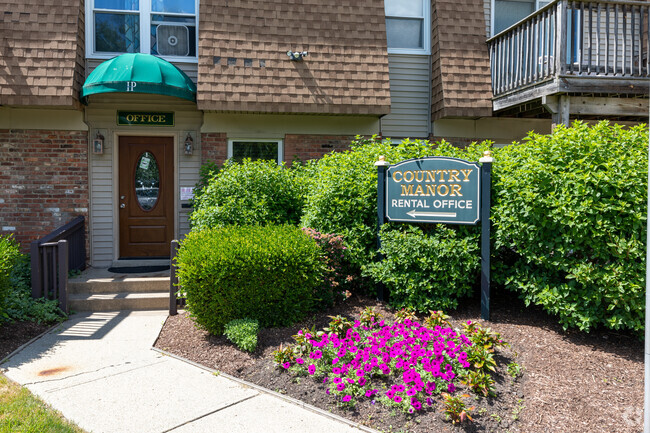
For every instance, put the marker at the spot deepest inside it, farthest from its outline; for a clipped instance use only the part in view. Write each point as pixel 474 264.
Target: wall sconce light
pixel 98 144
pixel 189 144
pixel 296 55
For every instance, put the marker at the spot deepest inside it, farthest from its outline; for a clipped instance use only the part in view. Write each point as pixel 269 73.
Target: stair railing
pixel 53 256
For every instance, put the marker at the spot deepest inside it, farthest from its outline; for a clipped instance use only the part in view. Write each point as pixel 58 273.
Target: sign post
pixel 486 182
pixel 439 190
pixel 381 165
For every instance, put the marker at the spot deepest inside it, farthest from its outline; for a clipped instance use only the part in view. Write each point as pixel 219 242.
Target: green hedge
pixel 569 215
pixel 268 273
pixel 250 192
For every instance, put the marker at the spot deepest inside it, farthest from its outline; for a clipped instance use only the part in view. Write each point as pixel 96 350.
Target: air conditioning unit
pixel 172 40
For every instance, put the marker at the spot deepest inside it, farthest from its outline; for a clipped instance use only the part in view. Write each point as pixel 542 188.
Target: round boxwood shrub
pixel 267 273
pixel 569 215
pixel 250 192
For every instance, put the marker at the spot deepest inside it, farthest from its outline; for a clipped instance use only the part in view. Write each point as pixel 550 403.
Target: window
pixel 508 12
pixel 407 26
pixel 255 149
pixel 166 28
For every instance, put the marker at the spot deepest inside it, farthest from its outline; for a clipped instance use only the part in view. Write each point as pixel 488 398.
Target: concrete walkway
pixel 99 370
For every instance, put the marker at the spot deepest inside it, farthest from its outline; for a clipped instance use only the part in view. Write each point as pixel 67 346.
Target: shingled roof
pixel 243 65
pixel 461 85
pixel 41 52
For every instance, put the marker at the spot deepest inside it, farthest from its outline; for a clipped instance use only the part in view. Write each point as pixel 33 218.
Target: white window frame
pixel 426 29
pixel 279 142
pixel 144 13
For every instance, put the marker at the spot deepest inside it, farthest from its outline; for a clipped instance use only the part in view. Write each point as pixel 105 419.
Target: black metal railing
pixel 609 38
pixel 53 256
pixel 174 300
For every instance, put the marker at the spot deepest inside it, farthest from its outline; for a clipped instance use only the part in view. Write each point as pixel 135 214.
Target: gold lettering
pixel 431 190
pixel 431 175
pixel 395 176
pixel 440 189
pixel 406 173
pixel 442 172
pixel 419 178
pixel 466 172
pixel 129 118
pixel 455 191
pixel 407 190
pixel 453 176
pixel 419 190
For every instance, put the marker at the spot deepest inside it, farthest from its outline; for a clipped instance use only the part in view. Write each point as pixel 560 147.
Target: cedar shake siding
pixel 42 53
pixel 243 65
pixel 461 83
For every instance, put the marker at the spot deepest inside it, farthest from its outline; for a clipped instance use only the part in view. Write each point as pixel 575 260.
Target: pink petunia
pixel 311 369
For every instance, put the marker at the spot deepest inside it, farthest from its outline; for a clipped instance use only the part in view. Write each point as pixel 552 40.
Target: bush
pixel 339 273
pixel 9 255
pixel 343 197
pixel 268 273
pixel 18 303
pixel 569 216
pixel 427 271
pixel 251 192
pixel 243 333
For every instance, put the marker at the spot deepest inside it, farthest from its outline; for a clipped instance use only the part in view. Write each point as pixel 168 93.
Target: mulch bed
pixel 572 382
pixel 13 335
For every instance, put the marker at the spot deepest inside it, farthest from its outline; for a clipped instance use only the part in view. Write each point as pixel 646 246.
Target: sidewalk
pixel 99 370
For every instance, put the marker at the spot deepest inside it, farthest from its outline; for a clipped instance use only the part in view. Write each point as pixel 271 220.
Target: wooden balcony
pixel 574 58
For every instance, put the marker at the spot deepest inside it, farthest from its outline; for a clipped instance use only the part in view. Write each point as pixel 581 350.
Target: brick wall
pixel 43 181
pixel 214 147
pixel 305 147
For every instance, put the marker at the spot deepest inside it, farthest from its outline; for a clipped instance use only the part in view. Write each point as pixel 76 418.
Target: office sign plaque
pixel 142 118
pixel 433 190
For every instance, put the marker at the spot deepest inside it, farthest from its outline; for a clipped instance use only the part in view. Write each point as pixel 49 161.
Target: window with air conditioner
pixel 407 26
pixel 167 28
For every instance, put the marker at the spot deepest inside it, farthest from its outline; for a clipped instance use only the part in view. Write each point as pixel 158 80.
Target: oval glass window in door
pixel 147 181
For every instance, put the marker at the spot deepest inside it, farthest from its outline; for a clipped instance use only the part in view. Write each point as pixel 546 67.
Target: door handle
pixel 122 206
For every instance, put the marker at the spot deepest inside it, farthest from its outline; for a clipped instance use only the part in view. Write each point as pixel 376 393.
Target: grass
pixel 22 412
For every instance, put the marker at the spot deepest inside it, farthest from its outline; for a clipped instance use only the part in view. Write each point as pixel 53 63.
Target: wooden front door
pixel 146 198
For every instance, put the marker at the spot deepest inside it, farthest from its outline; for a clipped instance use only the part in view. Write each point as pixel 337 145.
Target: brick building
pixel 108 108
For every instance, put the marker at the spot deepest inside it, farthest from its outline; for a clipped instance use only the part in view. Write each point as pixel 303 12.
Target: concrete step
pixel 118 301
pixel 96 289
pixel 116 285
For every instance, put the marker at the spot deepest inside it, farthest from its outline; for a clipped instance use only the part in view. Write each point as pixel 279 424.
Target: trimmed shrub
pixel 250 192
pixel 243 333
pixel 427 271
pixel 268 273
pixel 9 255
pixel 569 215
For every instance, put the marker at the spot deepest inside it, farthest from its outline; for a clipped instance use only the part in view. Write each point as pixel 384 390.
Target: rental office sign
pixel 439 190
pixel 433 190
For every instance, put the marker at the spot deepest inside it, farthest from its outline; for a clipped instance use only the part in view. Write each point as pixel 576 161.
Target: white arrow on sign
pixel 415 214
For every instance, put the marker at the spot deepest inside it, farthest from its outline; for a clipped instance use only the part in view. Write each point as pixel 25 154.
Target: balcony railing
pixel 573 39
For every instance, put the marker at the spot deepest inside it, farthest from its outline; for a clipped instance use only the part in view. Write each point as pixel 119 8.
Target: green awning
pixel 139 73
